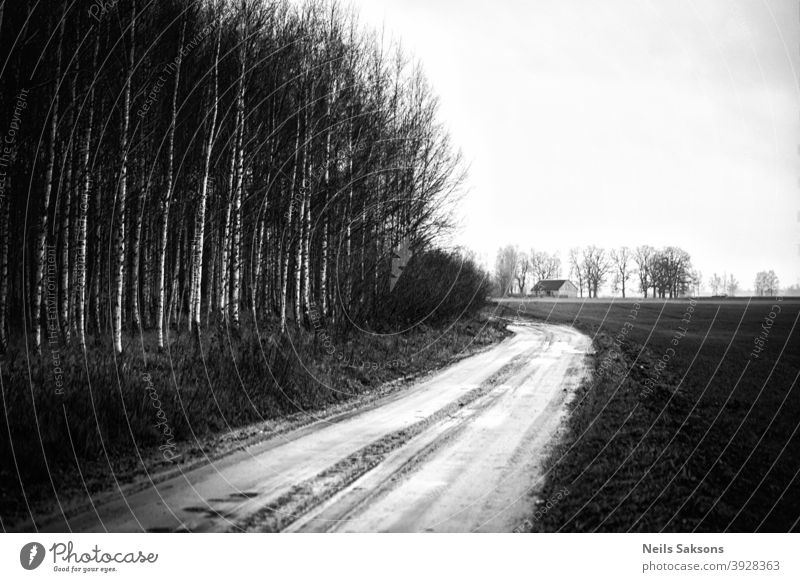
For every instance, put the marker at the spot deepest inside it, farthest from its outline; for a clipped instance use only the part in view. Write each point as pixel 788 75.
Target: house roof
pixel 550 284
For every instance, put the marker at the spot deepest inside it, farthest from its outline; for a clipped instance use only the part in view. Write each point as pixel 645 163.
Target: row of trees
pixel 662 273
pixel 183 160
pixel 654 272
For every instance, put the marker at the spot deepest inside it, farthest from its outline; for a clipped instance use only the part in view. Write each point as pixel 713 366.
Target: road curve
pixel 459 451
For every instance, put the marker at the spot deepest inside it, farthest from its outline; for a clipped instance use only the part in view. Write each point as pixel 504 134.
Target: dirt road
pixel 460 451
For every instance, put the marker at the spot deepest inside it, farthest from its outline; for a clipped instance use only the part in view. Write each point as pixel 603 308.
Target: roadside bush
pixel 438 285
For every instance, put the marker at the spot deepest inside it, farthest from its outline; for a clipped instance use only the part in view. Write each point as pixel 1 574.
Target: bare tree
pixel 716 283
pixel 200 220
pixel 544 265
pixel 5 209
pixel 697 281
pixel 622 260
pixel 119 282
pixel 506 268
pixel 576 268
pixel 83 210
pixel 166 200
pixel 236 242
pixel 643 256
pixel 766 283
pixel 596 266
pixel 732 285
pixel 287 238
pixel 553 266
pixel 41 240
pixel 65 196
pixel 521 274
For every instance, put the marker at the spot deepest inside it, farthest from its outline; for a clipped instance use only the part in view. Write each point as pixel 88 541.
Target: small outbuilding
pixel 555 288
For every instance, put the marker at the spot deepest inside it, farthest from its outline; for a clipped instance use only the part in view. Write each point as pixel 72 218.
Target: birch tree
pixel 123 192
pixel 621 261
pixel 200 221
pixel 333 154
pixel 41 239
pixel 166 200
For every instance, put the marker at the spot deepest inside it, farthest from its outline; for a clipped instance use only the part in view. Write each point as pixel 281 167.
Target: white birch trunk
pixel 123 192
pixel 197 255
pixel 167 201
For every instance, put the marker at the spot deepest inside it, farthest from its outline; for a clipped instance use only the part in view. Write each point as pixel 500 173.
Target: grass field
pixel 690 422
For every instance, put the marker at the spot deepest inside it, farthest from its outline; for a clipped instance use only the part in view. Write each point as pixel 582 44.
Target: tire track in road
pixel 475 474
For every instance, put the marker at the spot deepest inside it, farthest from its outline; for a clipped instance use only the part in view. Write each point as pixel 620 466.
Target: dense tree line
pixel 171 163
pixel 663 273
pixel 666 272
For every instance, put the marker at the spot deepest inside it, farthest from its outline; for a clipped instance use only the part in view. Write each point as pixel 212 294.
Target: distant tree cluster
pixel 184 160
pixel 723 284
pixel 514 268
pixel 506 268
pixel 664 273
pixel 766 283
pixel 590 266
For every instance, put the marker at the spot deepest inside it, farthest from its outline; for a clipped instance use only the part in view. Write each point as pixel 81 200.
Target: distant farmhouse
pixel 555 288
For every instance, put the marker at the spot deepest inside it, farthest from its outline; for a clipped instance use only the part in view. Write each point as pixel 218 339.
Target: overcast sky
pixel 620 122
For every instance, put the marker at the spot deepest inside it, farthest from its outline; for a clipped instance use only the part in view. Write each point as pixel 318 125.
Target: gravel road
pixel 459 451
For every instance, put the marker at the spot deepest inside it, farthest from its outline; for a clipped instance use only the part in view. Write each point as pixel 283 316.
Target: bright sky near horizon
pixel 619 122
